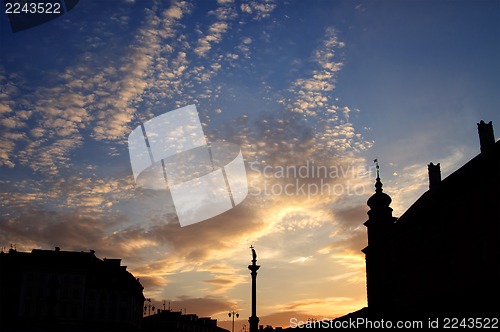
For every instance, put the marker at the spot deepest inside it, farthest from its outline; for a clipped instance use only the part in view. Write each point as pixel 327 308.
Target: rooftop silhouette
pixel 442 256
pixel 67 290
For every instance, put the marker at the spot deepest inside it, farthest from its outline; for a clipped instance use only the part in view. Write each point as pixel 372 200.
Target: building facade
pixel 55 289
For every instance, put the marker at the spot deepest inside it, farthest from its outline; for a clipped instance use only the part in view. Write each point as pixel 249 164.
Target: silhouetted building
pixel 175 321
pixel 63 290
pixel 442 256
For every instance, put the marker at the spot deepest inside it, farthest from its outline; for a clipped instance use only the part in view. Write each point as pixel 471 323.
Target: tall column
pixel 254 320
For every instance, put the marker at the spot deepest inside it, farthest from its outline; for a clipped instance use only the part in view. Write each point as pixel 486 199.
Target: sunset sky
pixel 303 86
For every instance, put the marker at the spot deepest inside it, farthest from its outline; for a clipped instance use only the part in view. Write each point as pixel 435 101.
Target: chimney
pixel 486 136
pixel 434 176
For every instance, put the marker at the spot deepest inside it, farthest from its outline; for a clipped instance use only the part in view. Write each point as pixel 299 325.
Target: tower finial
pixel 378 183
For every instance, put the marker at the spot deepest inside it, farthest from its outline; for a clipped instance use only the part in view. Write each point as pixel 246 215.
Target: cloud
pixel 211 238
pixel 34 228
pixel 287 139
pixel 96 102
pixel 85 195
pixel 246 8
pixel 117 110
pixel 221 285
pixel 10 121
pixel 152 283
pixel 213 36
pixel 300 260
pixel 92 97
pixel 312 94
pixel 412 179
pixel 205 306
pixel 259 9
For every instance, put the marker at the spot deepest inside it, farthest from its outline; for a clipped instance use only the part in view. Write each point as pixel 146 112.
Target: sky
pixel 311 91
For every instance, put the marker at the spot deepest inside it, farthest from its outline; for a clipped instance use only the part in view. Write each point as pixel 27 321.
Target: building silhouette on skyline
pixel 175 321
pixel 65 290
pixel 442 256
pixel 56 290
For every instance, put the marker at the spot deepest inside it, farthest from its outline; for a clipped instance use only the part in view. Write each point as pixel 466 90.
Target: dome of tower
pixel 379 199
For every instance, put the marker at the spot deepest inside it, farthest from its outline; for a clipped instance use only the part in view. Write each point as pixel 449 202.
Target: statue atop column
pixel 254 320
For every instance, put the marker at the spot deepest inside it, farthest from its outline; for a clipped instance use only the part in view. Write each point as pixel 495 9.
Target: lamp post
pixel 233 314
pixel 148 308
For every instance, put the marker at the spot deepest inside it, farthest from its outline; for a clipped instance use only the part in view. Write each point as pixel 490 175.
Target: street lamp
pixel 148 308
pixel 233 314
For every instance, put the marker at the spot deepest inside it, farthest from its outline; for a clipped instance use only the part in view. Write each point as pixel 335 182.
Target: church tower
pixel 380 226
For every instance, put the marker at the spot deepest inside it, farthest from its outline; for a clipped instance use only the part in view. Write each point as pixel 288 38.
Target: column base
pixel 254 323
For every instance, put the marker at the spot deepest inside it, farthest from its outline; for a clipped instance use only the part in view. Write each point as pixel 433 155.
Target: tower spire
pixel 378 183
pixel 380 228
pixel 379 200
